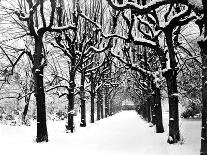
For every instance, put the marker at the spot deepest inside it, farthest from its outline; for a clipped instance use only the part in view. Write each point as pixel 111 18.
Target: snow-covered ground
pixel 122 134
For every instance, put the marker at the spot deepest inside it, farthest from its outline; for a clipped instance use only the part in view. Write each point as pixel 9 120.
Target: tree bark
pixel 70 125
pixel 98 104
pixel 152 108
pixel 171 79
pixel 202 44
pixel 203 150
pixel 149 109
pixel 110 107
pixel 83 107
pixel 158 112
pixel 92 106
pixel 101 103
pixel 24 114
pixel 174 132
pixel 38 68
pixel 71 96
pixel 106 102
pixel 92 93
pixel 143 108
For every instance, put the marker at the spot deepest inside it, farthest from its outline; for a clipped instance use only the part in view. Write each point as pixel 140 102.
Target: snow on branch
pixel 99 50
pixel 145 42
pixel 29 17
pixel 187 20
pixel 25 17
pixel 176 19
pixel 168 13
pixel 85 60
pixel 63 28
pixel 97 67
pixel 91 21
pixel 114 36
pixel 152 5
pixel 132 66
pixel 62 48
pixel 133 39
pixel 99 86
pixel 112 84
pixel 146 35
pixel 141 9
pixel 126 19
pixel 22 16
pixel 55 87
pixel 61 78
pixel 88 65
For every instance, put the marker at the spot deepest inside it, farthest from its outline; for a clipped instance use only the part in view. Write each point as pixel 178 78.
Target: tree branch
pixel 53 6
pixel 42 13
pixel 152 5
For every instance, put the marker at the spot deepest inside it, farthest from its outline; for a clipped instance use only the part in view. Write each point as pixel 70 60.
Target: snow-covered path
pixel 122 134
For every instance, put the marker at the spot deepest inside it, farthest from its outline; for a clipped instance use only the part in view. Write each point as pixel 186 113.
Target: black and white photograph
pixel 103 77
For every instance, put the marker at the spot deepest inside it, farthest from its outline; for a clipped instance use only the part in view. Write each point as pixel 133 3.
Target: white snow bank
pixel 122 134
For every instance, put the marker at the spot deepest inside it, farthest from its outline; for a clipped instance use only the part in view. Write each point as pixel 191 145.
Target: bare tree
pixel 203 29
pixel 33 14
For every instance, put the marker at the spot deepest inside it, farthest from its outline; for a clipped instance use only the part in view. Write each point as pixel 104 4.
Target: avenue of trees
pixel 57 55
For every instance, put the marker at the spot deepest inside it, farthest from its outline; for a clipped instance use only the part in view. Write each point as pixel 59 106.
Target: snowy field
pixel 122 134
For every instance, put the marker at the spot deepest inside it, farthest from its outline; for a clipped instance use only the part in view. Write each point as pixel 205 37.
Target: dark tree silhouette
pixel 39 60
pixel 203 29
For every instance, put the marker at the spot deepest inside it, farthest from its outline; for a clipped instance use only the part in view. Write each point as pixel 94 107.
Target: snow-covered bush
pixel 192 110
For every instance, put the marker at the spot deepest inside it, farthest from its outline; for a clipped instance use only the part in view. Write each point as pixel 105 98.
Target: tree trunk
pixel 203 150
pixel 110 108
pixel 92 106
pixel 106 102
pixel 101 104
pixel 202 44
pixel 143 109
pixel 83 107
pixel 152 108
pixel 158 112
pixel 71 96
pixel 149 109
pixel 70 125
pixel 171 79
pixel 42 135
pixel 92 93
pixel 174 133
pixel 24 114
pixel 98 104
